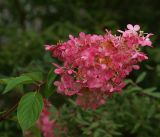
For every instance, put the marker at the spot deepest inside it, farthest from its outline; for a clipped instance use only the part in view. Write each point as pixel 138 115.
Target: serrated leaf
pixel 14 82
pixel 29 109
pixel 141 77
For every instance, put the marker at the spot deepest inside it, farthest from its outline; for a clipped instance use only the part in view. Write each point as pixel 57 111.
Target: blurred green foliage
pixel 130 114
pixel 27 25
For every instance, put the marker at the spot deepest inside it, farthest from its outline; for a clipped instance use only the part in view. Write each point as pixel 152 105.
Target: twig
pixel 5 115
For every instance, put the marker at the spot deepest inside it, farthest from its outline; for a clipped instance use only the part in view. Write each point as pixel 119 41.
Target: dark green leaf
pixel 128 81
pixel 49 86
pixel 141 77
pixel 51 77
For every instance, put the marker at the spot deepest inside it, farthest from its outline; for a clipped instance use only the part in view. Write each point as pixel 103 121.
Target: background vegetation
pixel 27 25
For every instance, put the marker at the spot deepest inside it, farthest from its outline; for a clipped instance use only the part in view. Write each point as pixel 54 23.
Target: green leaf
pixel 51 77
pixel 14 82
pixel 141 77
pixel 35 76
pixel 29 109
pixel 128 81
pixel 133 89
pixel 136 127
pixel 94 125
pixel 151 111
pixel 23 79
pixel 151 92
pixel 36 131
pixel 152 89
pixel 49 86
pixel 5 80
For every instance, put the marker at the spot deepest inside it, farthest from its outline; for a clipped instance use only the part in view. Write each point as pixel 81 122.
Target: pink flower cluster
pixel 44 123
pixel 95 66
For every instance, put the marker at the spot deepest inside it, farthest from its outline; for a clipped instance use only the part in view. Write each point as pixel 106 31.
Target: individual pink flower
pixel 145 40
pixel 95 66
pixel 133 28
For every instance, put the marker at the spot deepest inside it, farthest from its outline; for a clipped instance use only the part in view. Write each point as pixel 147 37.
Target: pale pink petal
pixel 136 67
pixel 149 35
pixel 120 31
pixel 70 71
pixel 130 27
pixel 136 27
pixel 59 71
pixel 48 47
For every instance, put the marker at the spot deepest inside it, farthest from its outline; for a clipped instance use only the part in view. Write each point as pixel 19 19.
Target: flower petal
pixel 136 27
pixel 130 27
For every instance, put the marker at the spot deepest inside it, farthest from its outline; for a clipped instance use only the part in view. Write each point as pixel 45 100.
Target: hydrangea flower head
pixel 95 66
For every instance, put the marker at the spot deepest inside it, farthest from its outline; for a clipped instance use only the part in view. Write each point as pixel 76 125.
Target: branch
pixel 5 115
